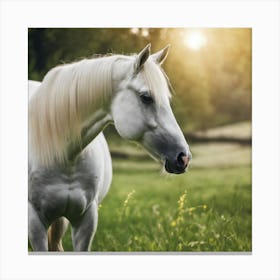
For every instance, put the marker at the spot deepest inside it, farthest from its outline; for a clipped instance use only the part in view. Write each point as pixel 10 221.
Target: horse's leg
pixel 56 233
pixel 83 231
pixel 37 231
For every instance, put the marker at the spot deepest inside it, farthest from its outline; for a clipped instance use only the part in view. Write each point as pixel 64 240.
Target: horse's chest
pixel 56 194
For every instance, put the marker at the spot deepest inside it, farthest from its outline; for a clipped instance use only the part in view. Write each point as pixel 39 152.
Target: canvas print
pixel 139 140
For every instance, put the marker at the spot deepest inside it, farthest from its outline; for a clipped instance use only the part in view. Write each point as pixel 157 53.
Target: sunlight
pixel 194 40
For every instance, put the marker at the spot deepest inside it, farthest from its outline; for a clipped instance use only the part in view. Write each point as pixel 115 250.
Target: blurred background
pixel 210 69
pixel 209 207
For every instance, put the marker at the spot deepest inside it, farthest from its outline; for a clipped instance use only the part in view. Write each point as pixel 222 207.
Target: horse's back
pixel 32 87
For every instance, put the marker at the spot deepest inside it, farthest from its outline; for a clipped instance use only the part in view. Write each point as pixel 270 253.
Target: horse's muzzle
pixel 179 164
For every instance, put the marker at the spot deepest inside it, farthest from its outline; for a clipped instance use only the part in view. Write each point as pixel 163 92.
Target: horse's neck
pixel 90 130
pixel 71 110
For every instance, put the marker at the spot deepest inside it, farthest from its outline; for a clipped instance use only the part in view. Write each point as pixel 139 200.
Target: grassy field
pixel 206 209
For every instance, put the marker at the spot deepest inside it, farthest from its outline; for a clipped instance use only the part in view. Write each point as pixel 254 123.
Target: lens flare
pixel 195 40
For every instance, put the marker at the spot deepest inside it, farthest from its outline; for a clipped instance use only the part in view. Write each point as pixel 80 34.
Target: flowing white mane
pixel 68 95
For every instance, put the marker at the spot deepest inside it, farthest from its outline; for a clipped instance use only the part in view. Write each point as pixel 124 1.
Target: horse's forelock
pixel 157 81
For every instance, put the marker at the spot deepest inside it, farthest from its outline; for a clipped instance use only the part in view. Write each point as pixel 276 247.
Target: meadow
pixel 207 209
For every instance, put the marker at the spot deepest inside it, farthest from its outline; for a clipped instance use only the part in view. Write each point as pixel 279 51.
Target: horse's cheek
pixel 127 117
pixel 129 127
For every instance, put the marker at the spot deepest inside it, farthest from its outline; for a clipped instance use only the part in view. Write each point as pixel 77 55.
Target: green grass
pixel 206 209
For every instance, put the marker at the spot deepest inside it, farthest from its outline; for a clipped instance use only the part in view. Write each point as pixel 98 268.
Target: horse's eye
pixel 146 98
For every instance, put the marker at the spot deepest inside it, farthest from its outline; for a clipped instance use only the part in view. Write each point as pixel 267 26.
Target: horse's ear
pixel 142 58
pixel 160 56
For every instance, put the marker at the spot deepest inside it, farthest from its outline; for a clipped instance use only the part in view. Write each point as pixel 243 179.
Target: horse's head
pixel 141 109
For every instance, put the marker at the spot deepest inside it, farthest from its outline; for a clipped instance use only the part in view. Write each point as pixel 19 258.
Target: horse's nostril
pixel 179 164
pixel 183 160
pixel 180 158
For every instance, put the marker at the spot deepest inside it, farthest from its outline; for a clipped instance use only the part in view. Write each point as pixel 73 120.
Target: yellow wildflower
pixel 173 223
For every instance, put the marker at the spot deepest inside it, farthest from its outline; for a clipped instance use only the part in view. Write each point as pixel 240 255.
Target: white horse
pixel 70 168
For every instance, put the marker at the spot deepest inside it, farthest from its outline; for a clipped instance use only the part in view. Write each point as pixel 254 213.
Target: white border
pixel 262 16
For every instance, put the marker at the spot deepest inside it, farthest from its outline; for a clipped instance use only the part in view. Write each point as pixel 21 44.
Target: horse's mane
pixel 67 96
pixel 157 81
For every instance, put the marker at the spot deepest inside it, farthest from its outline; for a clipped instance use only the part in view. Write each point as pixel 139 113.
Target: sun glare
pixel 195 40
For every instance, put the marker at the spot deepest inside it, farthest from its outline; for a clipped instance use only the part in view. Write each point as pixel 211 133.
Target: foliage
pixel 212 84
